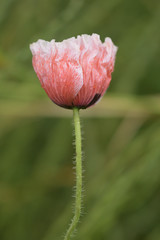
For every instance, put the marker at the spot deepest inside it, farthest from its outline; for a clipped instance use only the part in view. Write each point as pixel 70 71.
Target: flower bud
pixel 75 72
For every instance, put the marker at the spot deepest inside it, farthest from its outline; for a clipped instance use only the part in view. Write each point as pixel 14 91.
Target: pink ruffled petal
pixel 97 62
pixel 58 69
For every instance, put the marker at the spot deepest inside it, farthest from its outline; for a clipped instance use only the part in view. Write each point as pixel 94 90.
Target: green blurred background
pixel 121 134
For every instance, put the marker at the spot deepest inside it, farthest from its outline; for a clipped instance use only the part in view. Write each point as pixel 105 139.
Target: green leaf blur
pixel 121 134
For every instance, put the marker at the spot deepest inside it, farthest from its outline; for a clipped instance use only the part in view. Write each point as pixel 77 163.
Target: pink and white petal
pixel 42 47
pixel 67 81
pixel 89 46
pixel 67 50
pixel 61 80
pixel 43 68
pixel 111 50
pixel 58 69
pixel 96 73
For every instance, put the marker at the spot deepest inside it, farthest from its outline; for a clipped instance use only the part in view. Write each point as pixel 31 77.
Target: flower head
pixel 76 71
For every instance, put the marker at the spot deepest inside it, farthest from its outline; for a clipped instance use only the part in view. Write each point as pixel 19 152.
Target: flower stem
pixel 77 210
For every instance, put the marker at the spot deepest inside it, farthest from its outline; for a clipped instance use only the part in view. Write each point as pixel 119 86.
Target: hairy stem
pixel 77 210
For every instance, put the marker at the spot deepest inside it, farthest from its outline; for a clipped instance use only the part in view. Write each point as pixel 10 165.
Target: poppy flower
pixel 75 72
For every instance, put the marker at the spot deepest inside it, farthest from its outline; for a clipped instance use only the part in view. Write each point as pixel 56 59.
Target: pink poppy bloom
pixel 75 72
